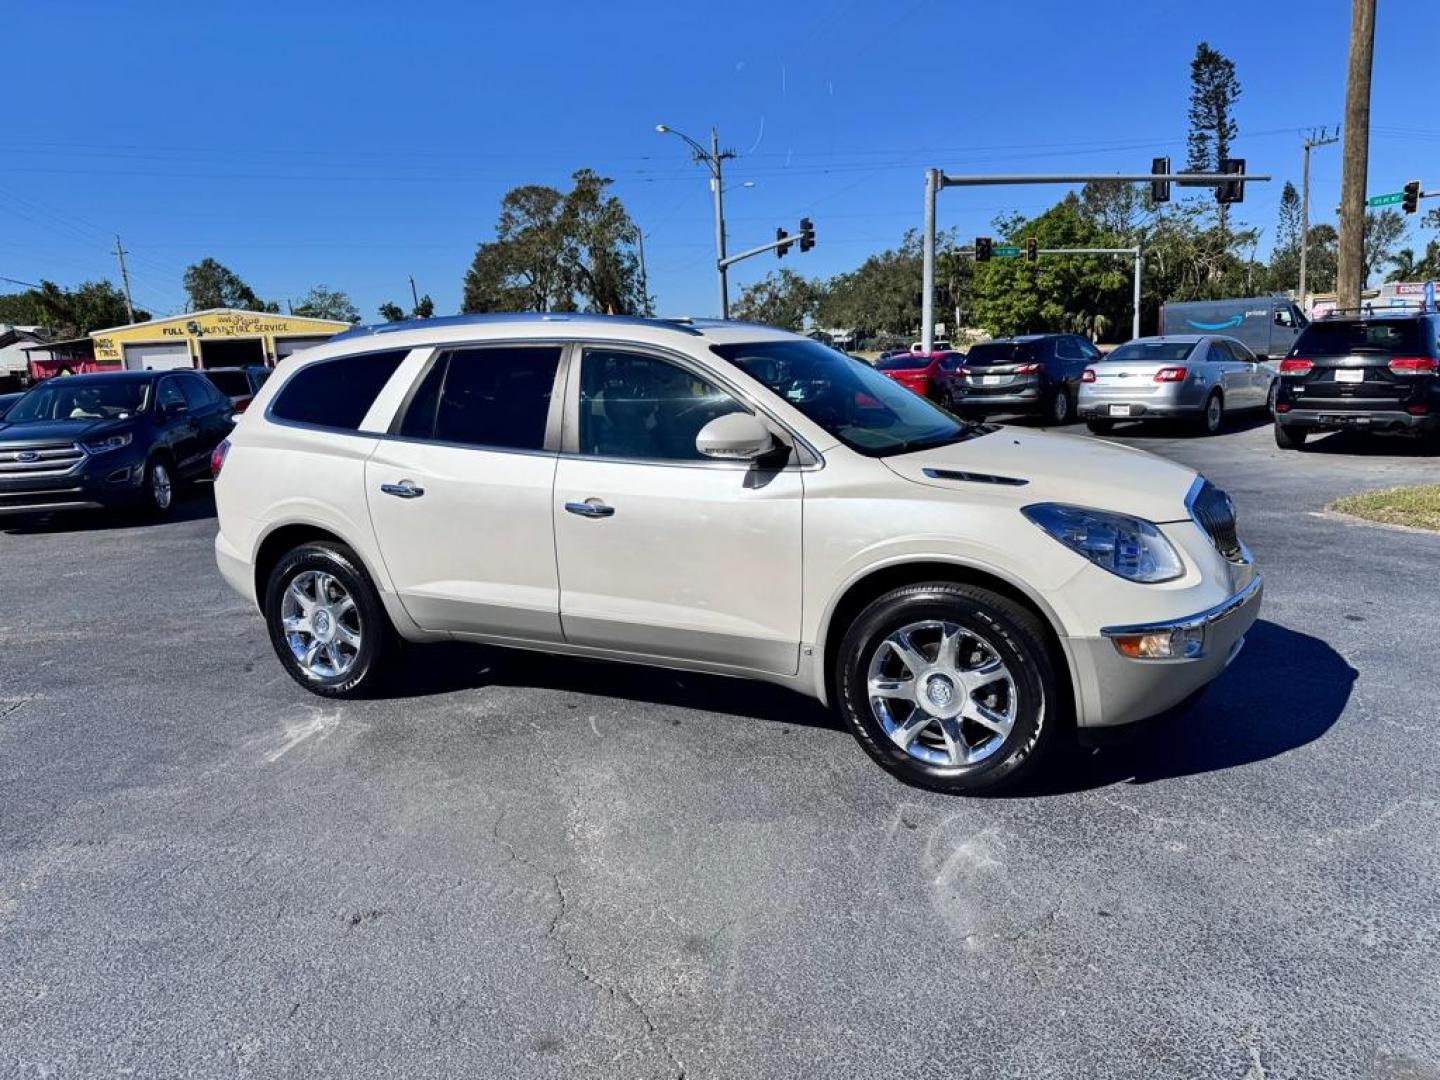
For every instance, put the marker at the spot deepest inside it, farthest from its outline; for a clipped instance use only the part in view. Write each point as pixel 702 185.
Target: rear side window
pixel 336 393
pixel 196 391
pixel 1378 336
pixel 496 397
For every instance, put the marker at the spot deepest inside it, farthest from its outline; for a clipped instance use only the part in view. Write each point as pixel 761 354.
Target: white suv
pixel 732 499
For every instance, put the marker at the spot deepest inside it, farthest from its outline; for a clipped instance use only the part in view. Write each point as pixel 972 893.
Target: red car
pixel 928 374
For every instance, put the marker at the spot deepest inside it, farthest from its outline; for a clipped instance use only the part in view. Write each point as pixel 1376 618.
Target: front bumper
pixel 101 480
pixel 1116 689
pixel 1363 420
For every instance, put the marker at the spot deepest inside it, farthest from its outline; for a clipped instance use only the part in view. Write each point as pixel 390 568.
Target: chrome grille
pixel 1215 513
pixel 25 460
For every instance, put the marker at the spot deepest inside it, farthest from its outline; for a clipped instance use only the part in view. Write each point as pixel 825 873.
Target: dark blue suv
pixel 121 439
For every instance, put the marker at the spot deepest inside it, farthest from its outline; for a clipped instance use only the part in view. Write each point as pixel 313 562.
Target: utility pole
pixel 1314 139
pixel 713 160
pixel 125 277
pixel 414 296
pixel 1350 280
pixel 644 280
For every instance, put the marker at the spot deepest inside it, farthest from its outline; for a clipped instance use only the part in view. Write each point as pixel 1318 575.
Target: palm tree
pixel 1405 266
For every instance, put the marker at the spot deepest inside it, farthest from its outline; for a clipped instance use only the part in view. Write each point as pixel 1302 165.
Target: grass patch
pixel 1418 507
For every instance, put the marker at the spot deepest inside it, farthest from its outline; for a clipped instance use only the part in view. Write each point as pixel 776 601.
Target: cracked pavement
pixel 529 867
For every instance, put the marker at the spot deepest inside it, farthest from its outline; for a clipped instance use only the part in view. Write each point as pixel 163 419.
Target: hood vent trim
pixel 974 477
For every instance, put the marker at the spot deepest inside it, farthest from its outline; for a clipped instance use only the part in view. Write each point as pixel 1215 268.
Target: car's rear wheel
pixel 1100 427
pixel 1212 417
pixel 949 686
pixel 1057 412
pixel 1270 398
pixel 1290 438
pixel 326 622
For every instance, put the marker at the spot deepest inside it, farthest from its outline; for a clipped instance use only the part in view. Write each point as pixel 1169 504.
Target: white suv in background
pixel 732 499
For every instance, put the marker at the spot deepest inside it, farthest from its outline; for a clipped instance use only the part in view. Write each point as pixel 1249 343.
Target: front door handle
pixel 405 489
pixel 590 508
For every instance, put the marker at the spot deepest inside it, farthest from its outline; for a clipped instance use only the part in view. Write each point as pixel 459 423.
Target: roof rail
pixel 1392 308
pixel 684 326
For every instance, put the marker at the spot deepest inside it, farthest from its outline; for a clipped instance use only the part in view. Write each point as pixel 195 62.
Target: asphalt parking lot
pixel 524 866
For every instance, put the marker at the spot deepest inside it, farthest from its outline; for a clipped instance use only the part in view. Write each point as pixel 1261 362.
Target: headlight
pixel 1129 547
pixel 110 442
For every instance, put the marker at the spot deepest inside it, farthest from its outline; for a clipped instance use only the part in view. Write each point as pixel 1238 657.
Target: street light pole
pixel 713 158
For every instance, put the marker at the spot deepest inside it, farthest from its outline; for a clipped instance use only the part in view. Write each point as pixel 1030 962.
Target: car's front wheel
pixel 326 622
pixel 158 495
pixel 949 686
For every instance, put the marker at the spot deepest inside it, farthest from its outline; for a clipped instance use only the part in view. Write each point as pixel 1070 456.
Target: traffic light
pixel 1032 249
pixel 807 234
pixel 1160 189
pixel 1411 201
pixel 781 234
pixel 982 249
pixel 1231 191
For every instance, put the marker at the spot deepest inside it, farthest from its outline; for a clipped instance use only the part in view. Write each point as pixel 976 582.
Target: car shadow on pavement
pixel 191 504
pixel 1284 690
pixel 447 668
pixel 1359 444
pixel 1235 423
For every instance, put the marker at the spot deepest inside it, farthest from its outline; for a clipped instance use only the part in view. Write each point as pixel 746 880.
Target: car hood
pixel 58 430
pixel 1056 468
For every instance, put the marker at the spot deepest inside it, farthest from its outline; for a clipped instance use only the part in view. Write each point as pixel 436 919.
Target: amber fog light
pixel 1184 643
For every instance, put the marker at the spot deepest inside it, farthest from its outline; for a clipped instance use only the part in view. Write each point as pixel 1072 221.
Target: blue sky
pixel 354 144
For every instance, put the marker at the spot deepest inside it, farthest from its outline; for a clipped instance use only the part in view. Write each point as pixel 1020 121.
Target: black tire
pixel 1212 417
pixel 159 488
pixel 1015 635
pixel 1059 410
pixel 1270 398
pixel 377 637
pixel 1290 438
pixel 1100 427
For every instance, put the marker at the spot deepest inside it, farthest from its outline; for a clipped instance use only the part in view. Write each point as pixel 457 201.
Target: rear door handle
pixel 590 508
pixel 405 489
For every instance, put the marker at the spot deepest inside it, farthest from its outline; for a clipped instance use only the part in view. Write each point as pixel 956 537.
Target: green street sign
pixel 1392 199
pixel 1006 251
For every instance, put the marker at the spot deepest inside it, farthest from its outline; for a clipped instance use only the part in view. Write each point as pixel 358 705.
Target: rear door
pixel 1226 369
pixel 460 492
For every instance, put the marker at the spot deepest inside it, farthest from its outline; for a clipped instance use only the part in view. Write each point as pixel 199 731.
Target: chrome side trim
pixel 1208 617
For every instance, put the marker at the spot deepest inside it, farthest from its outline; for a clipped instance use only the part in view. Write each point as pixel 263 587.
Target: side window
pixel 336 393
pixel 196 391
pixel 497 396
pixel 635 406
pixel 1090 351
pixel 168 397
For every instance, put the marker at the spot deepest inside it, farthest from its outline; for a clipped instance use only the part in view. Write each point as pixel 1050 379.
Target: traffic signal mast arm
pixel 807 233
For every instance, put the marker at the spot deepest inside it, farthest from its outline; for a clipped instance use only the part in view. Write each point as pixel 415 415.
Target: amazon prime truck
pixel 1268 324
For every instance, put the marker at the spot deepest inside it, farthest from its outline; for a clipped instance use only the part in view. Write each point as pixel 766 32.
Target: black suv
pixel 1037 374
pixel 109 440
pixel 1370 372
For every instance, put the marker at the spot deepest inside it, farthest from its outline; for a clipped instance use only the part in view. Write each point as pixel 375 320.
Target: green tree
pixel 1324 258
pixel 326 303
pixel 392 312
pixel 782 298
pixel 1214 90
pixel 1404 266
pixel 91 305
pixel 209 284
pixel 1383 230
pixel 557 251
pixel 1284 269
pixel 424 309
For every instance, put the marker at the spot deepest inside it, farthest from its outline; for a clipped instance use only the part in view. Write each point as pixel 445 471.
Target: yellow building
pixel 220 337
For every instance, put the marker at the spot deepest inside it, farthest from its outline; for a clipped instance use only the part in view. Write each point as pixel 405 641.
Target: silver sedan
pixel 1197 377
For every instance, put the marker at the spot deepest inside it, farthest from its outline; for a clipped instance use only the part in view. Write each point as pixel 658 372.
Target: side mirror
pixel 735 436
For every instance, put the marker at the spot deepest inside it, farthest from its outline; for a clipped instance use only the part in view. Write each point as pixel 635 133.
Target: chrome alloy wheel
pixel 942 693
pixel 1214 414
pixel 322 624
pixel 162 489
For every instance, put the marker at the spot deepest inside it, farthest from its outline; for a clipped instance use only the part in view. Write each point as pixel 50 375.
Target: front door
pixel 460 494
pixel 663 552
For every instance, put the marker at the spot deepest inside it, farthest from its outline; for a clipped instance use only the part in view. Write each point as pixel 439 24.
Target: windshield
pixel 1000 352
pixel 852 401
pixel 903 362
pixel 82 399
pixel 1154 352
pixel 1343 338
